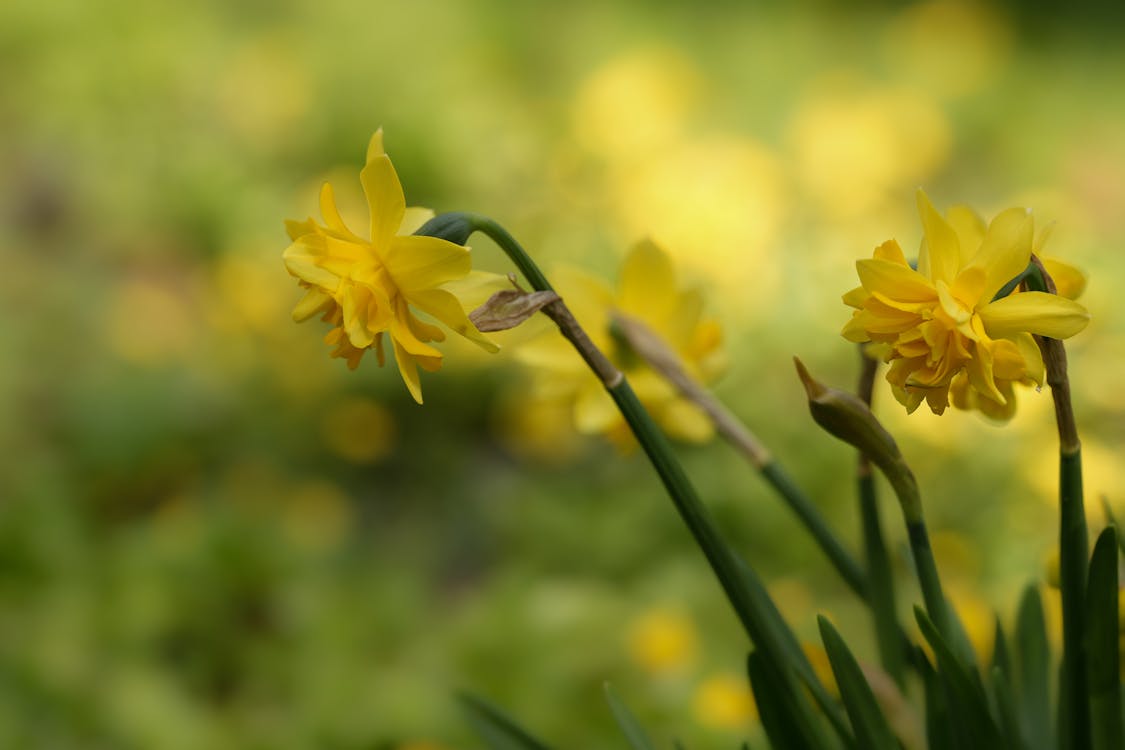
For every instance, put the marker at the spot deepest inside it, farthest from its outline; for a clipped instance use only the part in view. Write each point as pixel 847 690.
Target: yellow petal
pixel 648 284
pixel 413 219
pixel 979 369
pixel 891 251
pixel 594 410
pixel 940 257
pixel 416 263
pixel 1005 251
pixel 1070 281
pixel 685 421
pixel 354 302
pixel 444 306
pixel 298 229
pixel 408 368
pixel 305 259
pixel 375 146
pixel 970 229
pixel 331 214
pixel 856 297
pixel 1032 357
pixel 385 200
pixel 314 301
pixel 1034 312
pixel 403 335
pixel 894 282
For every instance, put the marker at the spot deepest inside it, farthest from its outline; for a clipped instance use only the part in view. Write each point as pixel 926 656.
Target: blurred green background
pixel 214 536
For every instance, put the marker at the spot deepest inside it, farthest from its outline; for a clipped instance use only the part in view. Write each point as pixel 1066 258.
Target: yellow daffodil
pixel 366 288
pixel 648 293
pixel 942 327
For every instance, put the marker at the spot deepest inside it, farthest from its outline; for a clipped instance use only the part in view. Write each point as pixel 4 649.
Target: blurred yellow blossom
pixel 856 145
pixel 649 293
pixel 359 430
pixel 943 325
pixel 367 287
pixel 662 641
pixel 724 702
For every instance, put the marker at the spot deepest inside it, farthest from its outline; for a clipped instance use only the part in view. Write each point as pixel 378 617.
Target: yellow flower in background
pixel 941 327
pixel 366 288
pixel 649 293
pixel 724 702
pixel 662 641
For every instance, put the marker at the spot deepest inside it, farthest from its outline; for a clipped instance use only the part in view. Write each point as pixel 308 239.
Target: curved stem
pixel 1074 550
pixel 755 610
pixel 659 356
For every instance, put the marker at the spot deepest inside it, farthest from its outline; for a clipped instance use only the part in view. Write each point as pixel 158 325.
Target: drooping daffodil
pixel 366 288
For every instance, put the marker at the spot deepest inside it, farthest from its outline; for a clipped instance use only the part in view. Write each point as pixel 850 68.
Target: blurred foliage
pixel 211 535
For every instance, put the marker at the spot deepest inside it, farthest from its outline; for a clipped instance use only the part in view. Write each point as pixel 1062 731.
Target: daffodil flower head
pixel 943 326
pixel 650 294
pixel 369 288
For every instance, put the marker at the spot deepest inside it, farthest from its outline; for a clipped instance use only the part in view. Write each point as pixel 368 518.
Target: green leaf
pixel 777 644
pixel 1001 658
pixel 496 728
pixel 1102 645
pixel 870 726
pixel 1033 672
pixel 1111 520
pixel 941 731
pixel 783 726
pixel 628 723
pixel 890 639
pixel 1005 706
pixel 967 699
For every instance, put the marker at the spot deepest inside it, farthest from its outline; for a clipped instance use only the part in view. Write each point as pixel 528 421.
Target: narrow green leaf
pixel 1102 645
pixel 890 640
pixel 1033 672
pixel 870 726
pixel 940 729
pixel 496 728
pixel 1001 658
pixel 782 726
pixel 628 723
pixel 1074 558
pixel 777 644
pixel 1005 707
pixel 1111 520
pixel 967 699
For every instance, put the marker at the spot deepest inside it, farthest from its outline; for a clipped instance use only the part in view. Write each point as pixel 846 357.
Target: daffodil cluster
pixel 647 293
pixel 944 328
pixel 368 288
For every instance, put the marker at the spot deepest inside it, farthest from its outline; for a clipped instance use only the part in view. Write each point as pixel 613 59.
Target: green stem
pixel 815 524
pixel 751 604
pixel 1074 550
pixel 651 348
pixel 891 643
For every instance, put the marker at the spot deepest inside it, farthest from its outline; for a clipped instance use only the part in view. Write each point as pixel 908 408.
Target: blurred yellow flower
pixel 724 702
pixel 367 287
pixel 662 641
pixel 941 324
pixel 649 293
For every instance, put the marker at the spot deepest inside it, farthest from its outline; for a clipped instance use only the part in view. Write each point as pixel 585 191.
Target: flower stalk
pixel 882 598
pixel 848 418
pixel 754 609
pixel 1074 543
pixel 650 347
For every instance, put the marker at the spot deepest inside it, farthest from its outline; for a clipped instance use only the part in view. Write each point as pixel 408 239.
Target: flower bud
pixel 847 417
pixel 454 226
